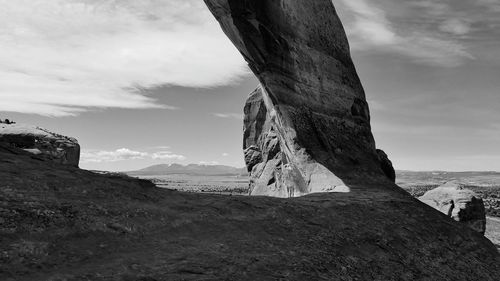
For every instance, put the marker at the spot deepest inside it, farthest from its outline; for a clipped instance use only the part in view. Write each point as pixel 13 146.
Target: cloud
pixel 112 156
pixel 455 26
pixel 96 156
pixel 160 147
pixel 370 29
pixel 225 154
pixel 433 8
pixel 238 116
pixel 208 163
pixel 493 5
pixel 64 57
pixel 167 155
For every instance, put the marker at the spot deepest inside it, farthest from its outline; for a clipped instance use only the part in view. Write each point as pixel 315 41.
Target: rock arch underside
pixel 307 127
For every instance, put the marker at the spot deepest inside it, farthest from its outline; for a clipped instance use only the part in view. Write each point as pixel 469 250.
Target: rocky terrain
pixel 39 141
pixel 62 223
pixel 485 184
pixel 461 204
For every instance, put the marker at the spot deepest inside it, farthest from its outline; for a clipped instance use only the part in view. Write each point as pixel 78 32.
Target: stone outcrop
pixel 461 204
pixel 315 103
pixel 271 170
pixel 386 165
pixel 268 166
pixel 39 141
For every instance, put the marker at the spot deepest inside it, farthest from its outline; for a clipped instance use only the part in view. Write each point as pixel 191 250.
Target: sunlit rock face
pixel 39 141
pixel 269 167
pixel 459 203
pixel 315 103
pixel 272 172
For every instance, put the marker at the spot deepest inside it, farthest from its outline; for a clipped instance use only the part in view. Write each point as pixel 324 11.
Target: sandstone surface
pixel 39 141
pixel 461 204
pixel 58 222
pixel 270 169
pixel 314 99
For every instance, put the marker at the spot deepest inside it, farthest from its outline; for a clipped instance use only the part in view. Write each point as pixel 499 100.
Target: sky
pixel 148 82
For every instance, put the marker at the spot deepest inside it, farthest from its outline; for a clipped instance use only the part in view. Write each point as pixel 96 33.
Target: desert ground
pixel 62 223
pixel 228 185
pixel 485 184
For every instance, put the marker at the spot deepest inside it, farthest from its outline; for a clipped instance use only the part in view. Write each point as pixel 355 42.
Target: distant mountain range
pixel 191 169
pixel 403 177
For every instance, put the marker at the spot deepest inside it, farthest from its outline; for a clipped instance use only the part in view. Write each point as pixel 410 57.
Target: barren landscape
pixel 185 166
pixel 485 184
pixel 62 223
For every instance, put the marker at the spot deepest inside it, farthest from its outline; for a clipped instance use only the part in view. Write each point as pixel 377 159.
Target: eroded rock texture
pixel 315 103
pixel 269 167
pixel 461 204
pixel 39 141
pixel 271 170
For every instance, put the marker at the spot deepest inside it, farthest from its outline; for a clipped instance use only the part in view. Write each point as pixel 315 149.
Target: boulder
pixel 39 141
pixel 314 102
pixel 461 204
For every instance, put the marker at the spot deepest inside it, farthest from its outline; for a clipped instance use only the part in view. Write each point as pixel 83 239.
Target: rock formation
pixel 271 172
pixel 386 165
pixel 315 103
pixel 39 141
pixel 461 204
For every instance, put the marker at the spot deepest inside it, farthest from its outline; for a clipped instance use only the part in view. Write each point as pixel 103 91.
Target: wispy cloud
pixel 208 163
pixel 63 57
pixel 112 156
pixel 167 155
pixel 456 26
pixel 238 116
pixel 370 29
pixel 100 156
pixel 493 5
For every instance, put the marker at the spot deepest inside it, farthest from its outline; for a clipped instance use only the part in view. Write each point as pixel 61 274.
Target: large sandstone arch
pixel 307 128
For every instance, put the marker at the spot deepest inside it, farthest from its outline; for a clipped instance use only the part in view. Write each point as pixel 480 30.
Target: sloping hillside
pixel 62 223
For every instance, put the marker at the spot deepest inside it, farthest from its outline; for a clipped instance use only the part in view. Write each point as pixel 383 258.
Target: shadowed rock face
pixel 314 100
pixel 386 165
